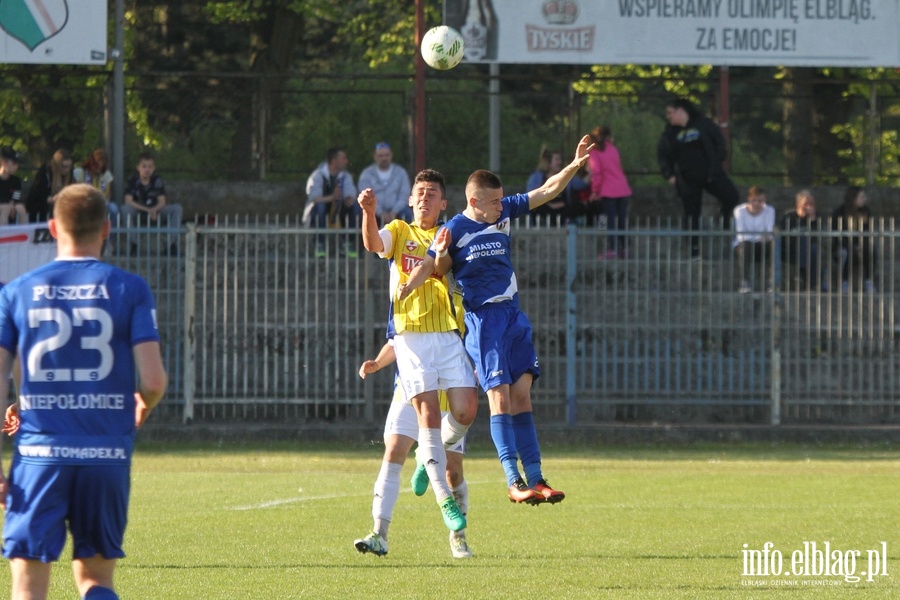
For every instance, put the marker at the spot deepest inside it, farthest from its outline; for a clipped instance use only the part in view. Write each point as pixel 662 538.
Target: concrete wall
pixel 242 198
pixel 237 198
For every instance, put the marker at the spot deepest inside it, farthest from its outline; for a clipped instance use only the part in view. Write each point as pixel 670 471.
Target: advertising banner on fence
pixel 849 33
pixel 24 247
pixel 53 32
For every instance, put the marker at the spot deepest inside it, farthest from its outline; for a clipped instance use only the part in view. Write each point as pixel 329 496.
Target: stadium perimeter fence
pixel 257 328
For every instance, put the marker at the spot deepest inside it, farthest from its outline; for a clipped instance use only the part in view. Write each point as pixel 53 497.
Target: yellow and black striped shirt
pixel 429 308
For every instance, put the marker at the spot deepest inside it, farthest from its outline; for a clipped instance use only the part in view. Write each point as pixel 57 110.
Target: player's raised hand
pixel 11 420
pixel 368 367
pixel 367 200
pixel 584 150
pixel 442 240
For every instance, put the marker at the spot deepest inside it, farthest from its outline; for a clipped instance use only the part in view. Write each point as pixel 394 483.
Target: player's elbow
pixel 153 385
pixel 373 246
pixel 152 378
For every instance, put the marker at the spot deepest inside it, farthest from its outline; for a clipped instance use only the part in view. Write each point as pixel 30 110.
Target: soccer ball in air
pixel 442 47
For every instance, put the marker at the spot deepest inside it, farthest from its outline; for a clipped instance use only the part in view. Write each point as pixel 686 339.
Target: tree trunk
pixel 797 119
pixel 274 44
pixel 830 107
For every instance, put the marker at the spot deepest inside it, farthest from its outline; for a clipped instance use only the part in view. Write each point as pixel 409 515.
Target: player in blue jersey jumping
pixel 86 332
pixel 475 245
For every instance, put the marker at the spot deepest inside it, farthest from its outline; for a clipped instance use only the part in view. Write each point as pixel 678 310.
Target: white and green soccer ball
pixel 442 47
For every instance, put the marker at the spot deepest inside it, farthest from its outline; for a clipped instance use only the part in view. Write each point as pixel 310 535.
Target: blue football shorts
pixel 498 340
pixel 93 499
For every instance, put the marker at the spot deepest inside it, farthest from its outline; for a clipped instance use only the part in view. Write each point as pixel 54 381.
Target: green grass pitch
pixel 278 521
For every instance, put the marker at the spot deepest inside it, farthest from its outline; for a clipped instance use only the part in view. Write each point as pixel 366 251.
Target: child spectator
pixel 754 224
pixel 145 199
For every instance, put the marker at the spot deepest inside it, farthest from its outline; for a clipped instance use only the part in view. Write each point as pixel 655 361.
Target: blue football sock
pixel 100 593
pixel 505 442
pixel 527 446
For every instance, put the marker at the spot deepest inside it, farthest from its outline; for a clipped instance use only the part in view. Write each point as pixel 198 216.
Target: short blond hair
pixel 481 180
pixel 80 210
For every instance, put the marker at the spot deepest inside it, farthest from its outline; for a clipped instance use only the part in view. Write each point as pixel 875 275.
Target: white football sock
pixel 432 454
pixel 387 491
pixel 461 494
pixel 451 430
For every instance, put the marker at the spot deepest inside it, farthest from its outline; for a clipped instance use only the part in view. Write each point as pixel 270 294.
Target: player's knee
pixel 396 453
pixel 465 416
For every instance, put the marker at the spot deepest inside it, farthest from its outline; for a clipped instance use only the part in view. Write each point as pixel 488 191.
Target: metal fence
pixel 256 327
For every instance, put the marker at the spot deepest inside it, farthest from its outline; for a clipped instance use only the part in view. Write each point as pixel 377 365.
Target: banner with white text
pixel 53 32
pixel 848 33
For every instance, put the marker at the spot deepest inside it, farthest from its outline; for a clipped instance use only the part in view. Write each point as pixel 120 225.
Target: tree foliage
pixel 251 89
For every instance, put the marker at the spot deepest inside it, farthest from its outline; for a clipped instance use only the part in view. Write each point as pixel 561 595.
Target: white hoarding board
pixel 53 31
pixel 857 33
pixel 24 247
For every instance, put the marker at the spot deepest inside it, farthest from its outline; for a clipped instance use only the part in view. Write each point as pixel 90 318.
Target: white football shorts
pixel 432 361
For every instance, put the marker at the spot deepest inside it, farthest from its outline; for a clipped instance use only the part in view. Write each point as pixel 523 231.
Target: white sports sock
pixel 432 454
pixel 387 491
pixel 461 494
pixel 451 430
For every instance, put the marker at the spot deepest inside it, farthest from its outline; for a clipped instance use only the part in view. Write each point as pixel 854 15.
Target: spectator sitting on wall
pixel 95 171
pixel 331 200
pixel 50 178
pixel 390 182
pixel 566 206
pixel 855 252
pixel 801 253
pixel 11 187
pixel 146 201
pixel 754 224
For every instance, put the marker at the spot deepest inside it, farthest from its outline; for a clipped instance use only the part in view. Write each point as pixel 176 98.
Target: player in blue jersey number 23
pixel 91 372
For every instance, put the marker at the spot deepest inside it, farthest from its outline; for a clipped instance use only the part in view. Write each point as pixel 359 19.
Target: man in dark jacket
pixel 691 153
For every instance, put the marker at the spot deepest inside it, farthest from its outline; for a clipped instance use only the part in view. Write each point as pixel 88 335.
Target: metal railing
pixel 257 327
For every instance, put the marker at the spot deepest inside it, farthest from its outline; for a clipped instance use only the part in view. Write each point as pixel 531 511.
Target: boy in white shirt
pixel 754 226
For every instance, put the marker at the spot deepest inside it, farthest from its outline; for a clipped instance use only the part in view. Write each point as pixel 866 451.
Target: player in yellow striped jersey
pixel 426 333
pixel 400 433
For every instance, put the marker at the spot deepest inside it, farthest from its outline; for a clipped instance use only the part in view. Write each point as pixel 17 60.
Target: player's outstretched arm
pixel 152 379
pixel 367 202
pixel 440 265
pixel 555 184
pixel 417 277
pixel 385 357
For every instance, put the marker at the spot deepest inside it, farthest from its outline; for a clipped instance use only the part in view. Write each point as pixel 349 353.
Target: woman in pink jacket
pixel 610 192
